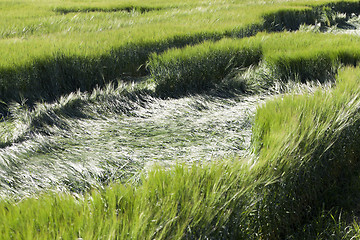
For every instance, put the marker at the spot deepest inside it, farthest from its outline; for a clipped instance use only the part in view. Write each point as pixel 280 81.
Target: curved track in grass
pixel 90 152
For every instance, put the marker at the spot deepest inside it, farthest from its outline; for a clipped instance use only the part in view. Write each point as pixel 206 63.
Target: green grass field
pixel 179 119
pixel 53 48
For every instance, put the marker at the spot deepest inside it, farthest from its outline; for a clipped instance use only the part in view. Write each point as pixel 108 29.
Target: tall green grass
pixel 309 55
pixel 300 56
pixel 167 205
pixel 46 54
pixel 309 145
pixel 195 69
pixel 305 146
pixel 305 157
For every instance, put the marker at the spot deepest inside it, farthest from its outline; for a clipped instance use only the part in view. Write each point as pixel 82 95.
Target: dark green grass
pixel 128 8
pixel 310 146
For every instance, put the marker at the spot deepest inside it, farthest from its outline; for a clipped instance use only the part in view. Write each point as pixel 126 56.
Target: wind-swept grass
pixel 306 154
pixel 84 148
pixel 309 55
pixel 300 56
pixel 84 141
pixel 46 54
pixel 195 69
pixel 167 205
pixel 309 145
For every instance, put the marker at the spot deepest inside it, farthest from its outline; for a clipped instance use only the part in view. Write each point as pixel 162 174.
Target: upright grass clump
pixel 46 78
pixel 45 54
pixel 304 67
pixel 289 19
pixel 308 56
pixel 197 68
pixel 308 147
pixel 49 77
pixel 323 14
pixel 192 203
pixel 296 56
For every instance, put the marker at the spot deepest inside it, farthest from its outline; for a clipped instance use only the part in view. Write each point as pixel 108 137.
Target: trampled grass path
pixel 90 152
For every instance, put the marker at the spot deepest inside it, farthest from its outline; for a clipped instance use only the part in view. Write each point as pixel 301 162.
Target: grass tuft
pixel 195 69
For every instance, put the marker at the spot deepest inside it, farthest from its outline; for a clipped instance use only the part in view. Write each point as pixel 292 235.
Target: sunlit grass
pixel 118 162
pixel 85 141
pixel 276 193
pixel 43 50
pixel 302 55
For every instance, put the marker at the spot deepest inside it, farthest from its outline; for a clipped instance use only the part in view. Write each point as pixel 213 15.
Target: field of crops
pixel 202 119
